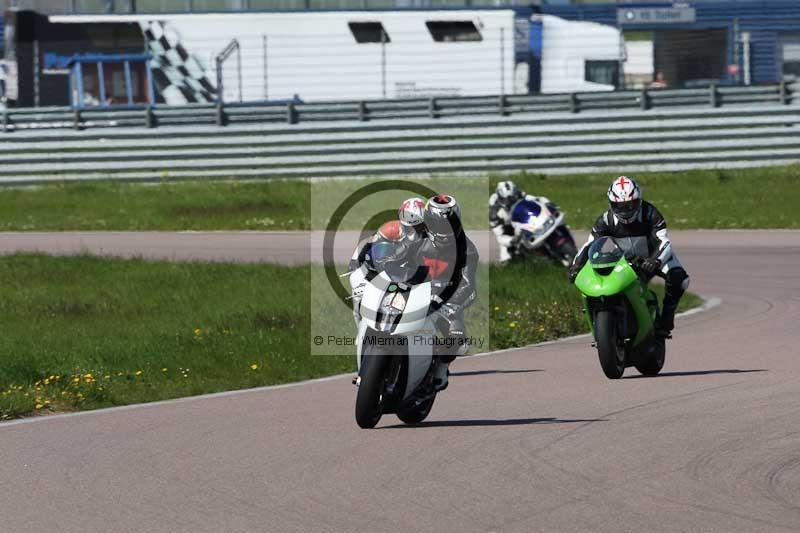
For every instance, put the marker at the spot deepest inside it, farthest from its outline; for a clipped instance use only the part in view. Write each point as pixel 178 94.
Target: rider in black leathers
pixel 640 230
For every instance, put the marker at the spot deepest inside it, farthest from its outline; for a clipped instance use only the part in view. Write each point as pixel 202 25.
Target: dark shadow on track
pixel 505 422
pixel 700 373
pixel 487 372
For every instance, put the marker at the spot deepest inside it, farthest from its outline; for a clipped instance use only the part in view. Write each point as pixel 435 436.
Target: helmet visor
pixel 626 210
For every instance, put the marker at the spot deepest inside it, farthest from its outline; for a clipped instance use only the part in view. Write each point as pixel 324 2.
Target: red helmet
pixel 391 231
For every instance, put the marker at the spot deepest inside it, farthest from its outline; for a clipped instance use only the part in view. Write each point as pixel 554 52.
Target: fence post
pixel 221 117
pixel 266 79
pixel 383 62
pixel 783 93
pixel 76 119
pixel 362 111
pixel 713 95
pixel 644 99
pixel 501 104
pixel 432 111
pixel 502 61
pixel 291 113
pixel 36 72
pixel 574 104
pixel 149 117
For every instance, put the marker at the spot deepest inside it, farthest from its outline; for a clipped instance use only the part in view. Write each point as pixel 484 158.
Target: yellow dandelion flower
pixel 39 405
pixel 138 372
pixel 254 367
pixel 76 379
pixel 512 325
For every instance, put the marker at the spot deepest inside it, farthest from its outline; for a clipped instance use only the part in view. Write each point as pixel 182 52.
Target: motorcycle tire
pixel 369 399
pixel 568 252
pixel 416 414
pixel 562 246
pixel 654 361
pixel 609 349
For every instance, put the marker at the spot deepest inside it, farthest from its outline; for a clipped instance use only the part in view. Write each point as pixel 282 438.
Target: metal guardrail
pixel 629 141
pixel 223 114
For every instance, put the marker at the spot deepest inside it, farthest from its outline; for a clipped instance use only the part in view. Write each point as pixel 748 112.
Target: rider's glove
pixel 650 266
pixel 447 310
pixel 572 273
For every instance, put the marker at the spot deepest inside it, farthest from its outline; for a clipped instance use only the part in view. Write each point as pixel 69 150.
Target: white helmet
pixel 625 198
pixel 411 212
pixel 411 215
pixel 507 191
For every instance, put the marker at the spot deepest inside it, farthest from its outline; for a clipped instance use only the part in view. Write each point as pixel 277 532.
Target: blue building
pixel 733 42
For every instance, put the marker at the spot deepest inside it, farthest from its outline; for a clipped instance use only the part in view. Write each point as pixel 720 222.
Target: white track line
pixel 707 305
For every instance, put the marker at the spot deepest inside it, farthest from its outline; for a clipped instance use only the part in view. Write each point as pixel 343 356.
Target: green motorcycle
pixel 621 310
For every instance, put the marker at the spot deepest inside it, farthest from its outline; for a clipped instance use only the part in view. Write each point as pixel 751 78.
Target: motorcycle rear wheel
pixel 609 349
pixel 415 415
pixel 369 400
pixel 562 246
pixel 653 364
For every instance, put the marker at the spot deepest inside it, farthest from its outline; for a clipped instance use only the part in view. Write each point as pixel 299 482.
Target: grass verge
pixel 87 332
pixel 714 199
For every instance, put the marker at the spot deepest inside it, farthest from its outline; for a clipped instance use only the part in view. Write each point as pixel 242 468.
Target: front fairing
pixel 621 280
pixel 533 226
pixel 594 285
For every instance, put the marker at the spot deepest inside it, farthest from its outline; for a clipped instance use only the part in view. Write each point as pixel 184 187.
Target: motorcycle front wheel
pixel 609 349
pixel 369 400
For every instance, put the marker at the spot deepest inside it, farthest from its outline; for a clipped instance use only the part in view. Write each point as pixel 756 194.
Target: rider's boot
pixel 505 255
pixel 666 323
pixel 677 281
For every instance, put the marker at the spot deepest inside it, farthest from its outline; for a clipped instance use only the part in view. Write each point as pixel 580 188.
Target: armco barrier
pixel 224 114
pixel 554 142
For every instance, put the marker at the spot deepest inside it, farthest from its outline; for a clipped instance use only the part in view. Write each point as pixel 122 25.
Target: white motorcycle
pixel 539 228
pixel 394 346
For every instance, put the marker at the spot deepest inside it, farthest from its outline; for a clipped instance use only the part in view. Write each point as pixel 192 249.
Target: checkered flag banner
pixel 179 77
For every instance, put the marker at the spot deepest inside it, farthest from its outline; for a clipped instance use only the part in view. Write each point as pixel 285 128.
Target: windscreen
pixel 524 210
pixel 604 252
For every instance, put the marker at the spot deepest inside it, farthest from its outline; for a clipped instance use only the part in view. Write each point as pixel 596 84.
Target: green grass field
pixel 716 199
pixel 87 332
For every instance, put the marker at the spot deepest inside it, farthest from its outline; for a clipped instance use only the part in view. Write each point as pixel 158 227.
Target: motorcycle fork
pixel 619 308
pixel 394 376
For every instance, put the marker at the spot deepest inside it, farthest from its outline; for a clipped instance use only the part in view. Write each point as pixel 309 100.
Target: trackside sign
pixel 656 15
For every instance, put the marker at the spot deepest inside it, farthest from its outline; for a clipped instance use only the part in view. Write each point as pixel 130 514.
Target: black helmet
pixel 443 220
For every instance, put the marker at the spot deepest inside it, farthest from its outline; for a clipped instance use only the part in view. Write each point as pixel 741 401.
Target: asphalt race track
pixel 534 439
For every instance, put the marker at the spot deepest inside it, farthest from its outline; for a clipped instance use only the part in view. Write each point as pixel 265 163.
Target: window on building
pixel 605 72
pixel 368 32
pixel 445 31
pixel 790 53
